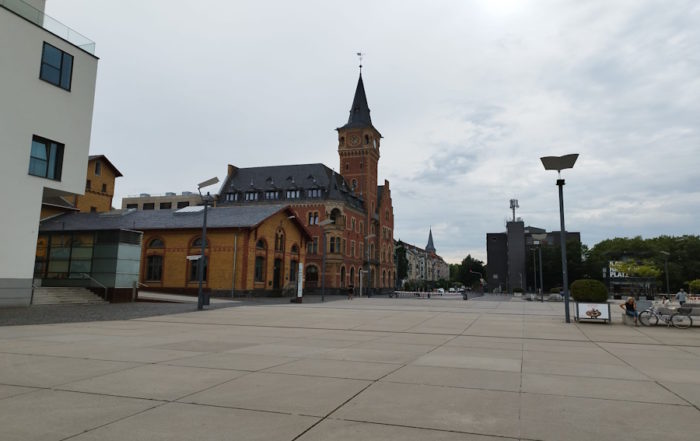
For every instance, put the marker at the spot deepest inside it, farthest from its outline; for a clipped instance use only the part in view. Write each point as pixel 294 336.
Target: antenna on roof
pixel 359 56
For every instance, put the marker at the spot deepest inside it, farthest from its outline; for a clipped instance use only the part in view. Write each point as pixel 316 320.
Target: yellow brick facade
pixel 99 186
pixel 178 274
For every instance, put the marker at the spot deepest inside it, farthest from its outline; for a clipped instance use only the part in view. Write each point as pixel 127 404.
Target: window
pixel 314 193
pixel 366 139
pixel 333 246
pixel 132 206
pixel 154 267
pixel 259 269
pixel 56 67
pixel 93 209
pixel 98 168
pixel 88 185
pixel 311 273
pixel 231 197
pixel 166 205
pixel 46 158
pixel 251 196
pixel 279 241
pixel 313 217
pixel 293 268
pixel 194 267
pixel 352 222
pixel 260 244
pixel 352 248
pixel 197 243
pixel 295 249
pixel 272 195
pixel 104 188
pixel 149 205
pixel 183 204
pixel 293 194
pixel 156 243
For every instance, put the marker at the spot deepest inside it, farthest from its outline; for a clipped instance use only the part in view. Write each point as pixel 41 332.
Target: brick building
pixel 354 213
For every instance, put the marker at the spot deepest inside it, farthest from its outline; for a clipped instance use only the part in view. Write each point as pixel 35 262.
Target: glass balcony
pixel 50 24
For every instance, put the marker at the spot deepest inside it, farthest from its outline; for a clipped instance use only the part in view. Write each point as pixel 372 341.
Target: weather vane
pixel 359 56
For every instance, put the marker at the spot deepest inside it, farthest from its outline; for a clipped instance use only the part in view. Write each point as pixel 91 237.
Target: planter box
pixel 592 312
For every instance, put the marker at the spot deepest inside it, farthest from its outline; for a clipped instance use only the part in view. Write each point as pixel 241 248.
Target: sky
pixel 468 95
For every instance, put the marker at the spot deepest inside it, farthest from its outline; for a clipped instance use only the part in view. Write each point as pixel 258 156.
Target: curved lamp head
pixel 559 163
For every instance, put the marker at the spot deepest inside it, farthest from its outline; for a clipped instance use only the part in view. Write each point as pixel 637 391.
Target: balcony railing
pixel 52 25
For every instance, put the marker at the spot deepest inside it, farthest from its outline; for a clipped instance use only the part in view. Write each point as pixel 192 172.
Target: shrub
pixel 694 285
pixel 589 290
pixel 518 289
pixel 555 290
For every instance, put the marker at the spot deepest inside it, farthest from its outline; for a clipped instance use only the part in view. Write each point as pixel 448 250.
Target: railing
pixel 52 25
pixel 87 276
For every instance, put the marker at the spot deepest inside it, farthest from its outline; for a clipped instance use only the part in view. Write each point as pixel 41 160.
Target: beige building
pixel 47 93
pixel 167 201
pixel 424 265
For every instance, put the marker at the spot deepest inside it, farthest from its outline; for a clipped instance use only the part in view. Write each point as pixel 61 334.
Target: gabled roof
pixel 117 173
pixel 359 112
pixel 289 177
pixel 248 216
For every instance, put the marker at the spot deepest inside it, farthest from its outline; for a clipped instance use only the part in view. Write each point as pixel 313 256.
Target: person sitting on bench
pixel 630 307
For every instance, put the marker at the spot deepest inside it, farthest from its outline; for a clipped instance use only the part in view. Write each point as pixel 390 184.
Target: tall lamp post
pixel 560 163
pixel 202 257
pixel 323 224
pixel 666 254
pixel 538 238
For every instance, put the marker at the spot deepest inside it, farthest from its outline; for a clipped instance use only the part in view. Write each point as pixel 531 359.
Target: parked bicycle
pixel 678 318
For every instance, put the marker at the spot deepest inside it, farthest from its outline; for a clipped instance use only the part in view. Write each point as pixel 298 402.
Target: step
pixel 65 295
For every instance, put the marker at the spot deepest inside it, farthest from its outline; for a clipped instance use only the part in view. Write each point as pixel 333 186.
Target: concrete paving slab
pixel 240 362
pixel 295 394
pixel 455 377
pixel 487 342
pixel 371 355
pixel 415 339
pixel 584 419
pixel 600 357
pixel 336 430
pixel 579 369
pixel 433 407
pixel 154 382
pixel 470 362
pixel 625 390
pixel 203 346
pixel 358 370
pixel 41 371
pixel 186 422
pixel 48 415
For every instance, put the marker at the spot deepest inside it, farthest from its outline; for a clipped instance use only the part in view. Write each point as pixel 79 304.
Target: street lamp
pixel 666 254
pixel 323 224
pixel 560 163
pixel 538 238
pixel 202 257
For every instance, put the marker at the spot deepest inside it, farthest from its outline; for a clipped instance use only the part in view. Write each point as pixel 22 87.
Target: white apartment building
pixel 47 89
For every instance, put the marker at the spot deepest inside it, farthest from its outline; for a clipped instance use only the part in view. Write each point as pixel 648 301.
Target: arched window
pixel 352 276
pixel 157 243
pixel 154 267
pixel 311 273
pixel 295 249
pixel 259 269
pixel 342 276
pixel 260 245
pixel 197 243
pixel 366 139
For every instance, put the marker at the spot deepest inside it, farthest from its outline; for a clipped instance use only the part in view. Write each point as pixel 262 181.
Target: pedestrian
pixel 665 301
pixel 351 292
pixel 681 297
pixel 630 307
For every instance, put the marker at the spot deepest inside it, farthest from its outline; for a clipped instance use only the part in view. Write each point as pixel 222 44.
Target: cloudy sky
pixel 468 94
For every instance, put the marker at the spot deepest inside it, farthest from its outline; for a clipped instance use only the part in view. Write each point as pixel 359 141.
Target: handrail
pixel 87 276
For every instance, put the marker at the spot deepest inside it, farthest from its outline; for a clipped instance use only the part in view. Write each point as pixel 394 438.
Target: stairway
pixel 49 295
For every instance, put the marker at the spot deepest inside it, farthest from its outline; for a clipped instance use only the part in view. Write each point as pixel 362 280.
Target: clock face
pixel 354 140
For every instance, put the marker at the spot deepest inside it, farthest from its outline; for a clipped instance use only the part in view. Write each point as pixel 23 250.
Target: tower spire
pixel 430 248
pixel 359 56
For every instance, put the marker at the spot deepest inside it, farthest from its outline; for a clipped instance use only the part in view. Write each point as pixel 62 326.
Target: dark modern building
pixel 506 255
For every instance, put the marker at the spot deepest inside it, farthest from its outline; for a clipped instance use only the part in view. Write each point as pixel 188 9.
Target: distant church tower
pixel 430 248
pixel 358 148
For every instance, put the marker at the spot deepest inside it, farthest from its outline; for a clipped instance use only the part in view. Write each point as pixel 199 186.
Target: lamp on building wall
pixel 560 163
pixel 538 238
pixel 202 257
pixel 323 224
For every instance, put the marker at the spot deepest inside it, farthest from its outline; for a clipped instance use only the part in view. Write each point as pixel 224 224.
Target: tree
pixel 401 262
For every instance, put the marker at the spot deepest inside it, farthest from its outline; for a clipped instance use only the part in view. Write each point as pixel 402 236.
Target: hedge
pixel 589 290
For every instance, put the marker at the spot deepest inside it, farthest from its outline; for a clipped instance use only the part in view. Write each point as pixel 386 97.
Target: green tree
pixel 401 262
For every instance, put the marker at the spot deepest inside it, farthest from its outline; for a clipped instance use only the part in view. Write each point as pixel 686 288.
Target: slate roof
pixel 219 217
pixel 117 173
pixel 430 247
pixel 289 177
pixel 58 201
pixel 359 112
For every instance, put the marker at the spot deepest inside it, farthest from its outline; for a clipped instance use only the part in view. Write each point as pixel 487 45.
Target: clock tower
pixel 358 148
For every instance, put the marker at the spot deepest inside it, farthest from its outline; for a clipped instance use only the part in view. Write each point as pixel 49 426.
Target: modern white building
pixel 47 89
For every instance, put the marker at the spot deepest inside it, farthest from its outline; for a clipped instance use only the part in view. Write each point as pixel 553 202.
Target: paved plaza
pixel 366 369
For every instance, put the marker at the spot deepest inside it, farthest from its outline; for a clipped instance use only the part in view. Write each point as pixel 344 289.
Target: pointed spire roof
pixel 430 247
pixel 359 112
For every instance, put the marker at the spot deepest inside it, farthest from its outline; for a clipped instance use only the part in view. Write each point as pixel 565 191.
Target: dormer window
pixel 251 196
pixel 314 193
pixel 293 194
pixel 231 197
pixel 272 195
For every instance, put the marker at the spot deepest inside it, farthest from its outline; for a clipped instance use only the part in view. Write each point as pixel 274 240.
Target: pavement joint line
pixel 407 426
pixel 655 403
pixel 679 396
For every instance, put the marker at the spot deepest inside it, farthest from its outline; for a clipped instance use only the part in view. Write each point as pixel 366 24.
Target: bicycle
pixel 678 318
